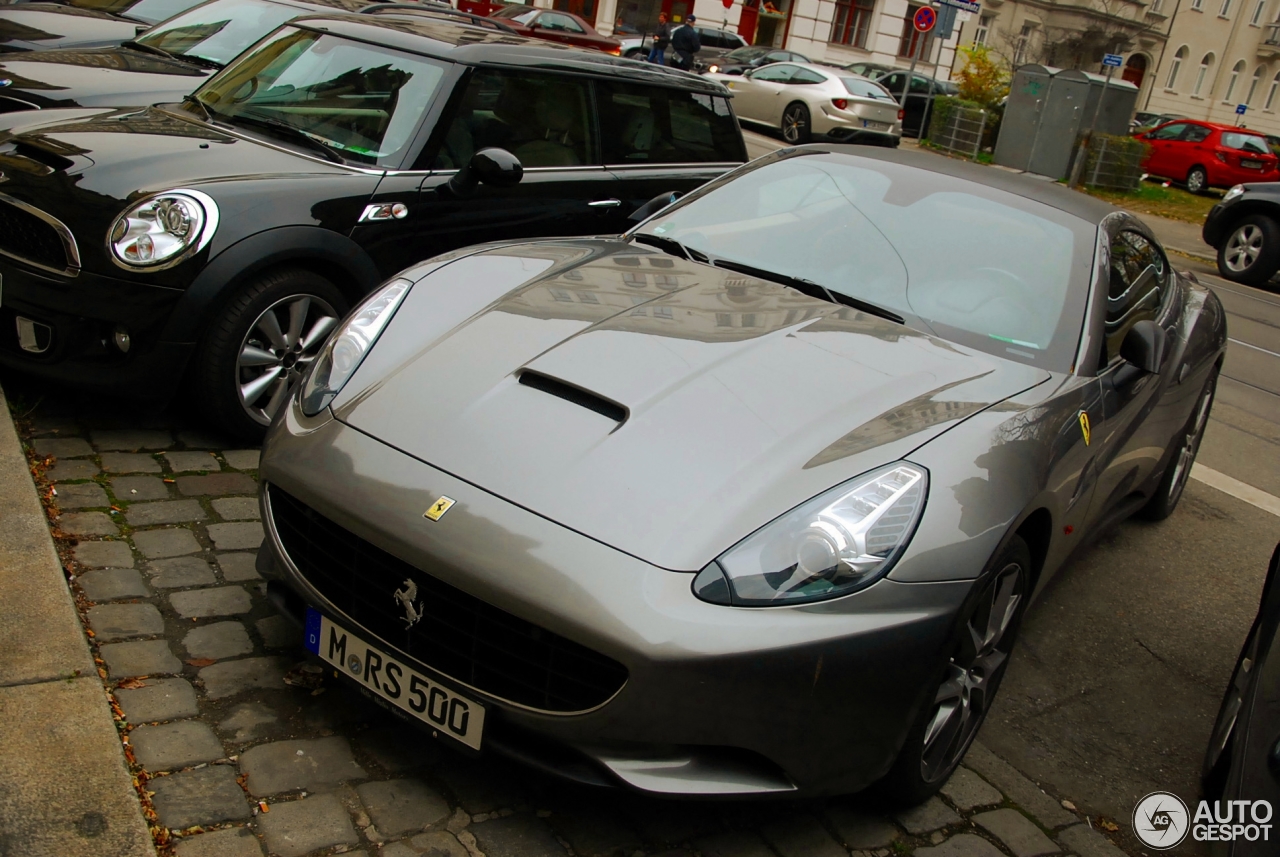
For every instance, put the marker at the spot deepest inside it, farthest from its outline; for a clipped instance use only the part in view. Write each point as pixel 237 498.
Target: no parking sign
pixel 924 19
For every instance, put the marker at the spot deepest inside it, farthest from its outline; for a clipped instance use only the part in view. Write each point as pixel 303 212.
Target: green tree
pixel 981 79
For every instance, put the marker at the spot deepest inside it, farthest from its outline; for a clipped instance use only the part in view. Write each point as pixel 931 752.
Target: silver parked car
pixel 804 101
pixel 750 499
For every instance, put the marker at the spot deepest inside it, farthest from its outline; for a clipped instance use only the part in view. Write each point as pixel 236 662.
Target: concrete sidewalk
pixel 65 790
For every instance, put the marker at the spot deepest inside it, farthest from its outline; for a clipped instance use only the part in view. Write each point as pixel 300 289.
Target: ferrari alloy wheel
pixel 1251 253
pixel 1197 180
pixel 795 124
pixel 951 717
pixel 260 348
pixel 1169 491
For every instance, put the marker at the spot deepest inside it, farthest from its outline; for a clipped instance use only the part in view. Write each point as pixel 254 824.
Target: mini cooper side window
pixel 542 119
pixel 655 125
pixel 1136 287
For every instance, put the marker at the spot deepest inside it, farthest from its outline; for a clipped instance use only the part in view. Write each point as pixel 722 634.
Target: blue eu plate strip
pixel 313 630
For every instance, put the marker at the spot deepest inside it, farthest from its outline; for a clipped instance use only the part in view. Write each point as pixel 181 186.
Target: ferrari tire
pixel 967 682
pixel 1187 443
pixel 1197 180
pixel 796 126
pixel 259 346
pixel 1251 252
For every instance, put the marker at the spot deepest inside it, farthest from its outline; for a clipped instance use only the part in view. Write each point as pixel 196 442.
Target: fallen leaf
pixel 1109 826
pixel 131 684
pixel 201 662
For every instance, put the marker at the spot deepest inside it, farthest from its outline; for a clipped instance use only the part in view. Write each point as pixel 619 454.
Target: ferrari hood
pixel 664 407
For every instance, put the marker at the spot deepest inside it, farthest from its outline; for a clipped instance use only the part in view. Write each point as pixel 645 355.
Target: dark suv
pixel 232 231
pixel 1245 230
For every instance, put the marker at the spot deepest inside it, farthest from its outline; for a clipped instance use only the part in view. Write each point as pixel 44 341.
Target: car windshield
pixel 746 54
pixel 1245 142
pixel 523 14
pixel 218 31
pixel 359 100
pixel 971 264
pixel 147 11
pixel 865 89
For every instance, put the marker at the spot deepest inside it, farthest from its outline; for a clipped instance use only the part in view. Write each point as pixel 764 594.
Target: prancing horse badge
pixel 438 508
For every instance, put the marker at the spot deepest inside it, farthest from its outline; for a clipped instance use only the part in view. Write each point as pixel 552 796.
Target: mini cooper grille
pixel 26 236
pixel 458 635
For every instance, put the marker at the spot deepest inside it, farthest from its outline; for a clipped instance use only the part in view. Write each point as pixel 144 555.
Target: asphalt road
pixel 1123 659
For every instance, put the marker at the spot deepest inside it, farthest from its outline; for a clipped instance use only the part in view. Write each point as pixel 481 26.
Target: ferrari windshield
pixel 361 101
pixel 968 263
pixel 217 32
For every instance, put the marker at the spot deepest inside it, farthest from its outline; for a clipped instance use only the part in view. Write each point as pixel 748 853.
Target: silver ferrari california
pixel 751 499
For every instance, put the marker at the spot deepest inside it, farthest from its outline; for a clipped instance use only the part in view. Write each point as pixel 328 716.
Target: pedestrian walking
pixel 685 43
pixel 661 38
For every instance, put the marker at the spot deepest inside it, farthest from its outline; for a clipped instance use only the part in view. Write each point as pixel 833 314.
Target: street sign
pixel 1113 60
pixel 924 19
pixel 966 5
pixel 1241 108
pixel 946 22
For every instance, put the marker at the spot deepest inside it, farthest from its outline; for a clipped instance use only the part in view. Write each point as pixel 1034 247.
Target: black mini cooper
pixel 212 244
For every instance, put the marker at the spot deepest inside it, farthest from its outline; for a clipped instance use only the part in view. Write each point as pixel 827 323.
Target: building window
pixel 1257 13
pixel 1156 4
pixel 852 22
pixel 1176 67
pixel 1020 45
pixel 1225 10
pixel 1198 5
pixel 1253 86
pixel 984 29
pixel 911 37
pixel 1271 93
pixel 1205 64
pixel 1233 80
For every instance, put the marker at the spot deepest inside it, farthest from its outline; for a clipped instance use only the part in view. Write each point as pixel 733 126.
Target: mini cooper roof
pixel 462 43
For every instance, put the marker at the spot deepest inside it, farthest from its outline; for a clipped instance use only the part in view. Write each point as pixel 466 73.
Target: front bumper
pixel 718 700
pixel 82 314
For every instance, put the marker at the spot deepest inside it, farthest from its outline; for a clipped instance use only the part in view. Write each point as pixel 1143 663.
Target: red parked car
pixel 554 26
pixel 1205 154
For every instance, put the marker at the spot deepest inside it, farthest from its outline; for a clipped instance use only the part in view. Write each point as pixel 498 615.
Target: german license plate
pixel 1250 163
pixel 873 125
pixel 446 712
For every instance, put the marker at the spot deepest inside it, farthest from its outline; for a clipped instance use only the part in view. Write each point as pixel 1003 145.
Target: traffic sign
pixel 966 5
pixel 1241 108
pixel 924 19
pixel 1113 60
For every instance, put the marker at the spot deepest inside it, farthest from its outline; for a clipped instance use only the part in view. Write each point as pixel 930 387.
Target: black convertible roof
pixel 464 43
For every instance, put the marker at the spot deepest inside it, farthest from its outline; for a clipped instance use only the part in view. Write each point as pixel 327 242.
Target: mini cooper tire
pixel 1186 445
pixel 1197 180
pixel 796 128
pixel 967 684
pixel 1250 254
pixel 259 346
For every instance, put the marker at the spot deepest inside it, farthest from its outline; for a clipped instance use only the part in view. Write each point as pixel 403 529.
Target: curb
pixel 68 791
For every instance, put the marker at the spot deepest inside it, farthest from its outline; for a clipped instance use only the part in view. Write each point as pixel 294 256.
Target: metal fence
pixel 959 131
pixel 1113 163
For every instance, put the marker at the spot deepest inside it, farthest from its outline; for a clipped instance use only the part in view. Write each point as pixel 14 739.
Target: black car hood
pixel 39 26
pixel 99 77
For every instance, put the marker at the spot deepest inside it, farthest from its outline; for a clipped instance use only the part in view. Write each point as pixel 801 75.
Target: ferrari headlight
pixel 162 230
pixel 347 347
pixel 1233 193
pixel 834 544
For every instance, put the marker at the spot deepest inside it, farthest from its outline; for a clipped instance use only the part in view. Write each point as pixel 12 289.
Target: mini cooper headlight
pixel 347 346
pixel 834 544
pixel 162 230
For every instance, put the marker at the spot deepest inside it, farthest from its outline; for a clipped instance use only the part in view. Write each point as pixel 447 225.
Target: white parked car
pixel 804 101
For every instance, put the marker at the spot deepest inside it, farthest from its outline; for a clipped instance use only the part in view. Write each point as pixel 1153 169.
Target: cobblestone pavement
pixel 246 757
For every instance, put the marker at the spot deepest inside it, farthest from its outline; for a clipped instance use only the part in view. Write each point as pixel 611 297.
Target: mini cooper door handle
pixel 605 203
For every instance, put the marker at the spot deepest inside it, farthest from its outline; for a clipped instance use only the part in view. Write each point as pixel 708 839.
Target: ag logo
pixel 1161 820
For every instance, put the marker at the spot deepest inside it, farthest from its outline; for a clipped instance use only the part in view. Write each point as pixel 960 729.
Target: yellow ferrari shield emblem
pixel 1084 428
pixel 438 508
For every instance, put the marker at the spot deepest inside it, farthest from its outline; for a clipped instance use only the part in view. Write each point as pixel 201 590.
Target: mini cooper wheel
pixel 1169 491
pixel 261 345
pixel 952 715
pixel 1197 180
pixel 795 124
pixel 1251 253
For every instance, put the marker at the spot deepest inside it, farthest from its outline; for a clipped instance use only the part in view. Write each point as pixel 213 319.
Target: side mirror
pixel 1143 346
pixel 493 166
pixel 653 206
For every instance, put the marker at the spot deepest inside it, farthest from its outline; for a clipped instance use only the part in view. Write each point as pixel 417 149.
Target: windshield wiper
pixel 810 288
pixel 670 246
pixel 205 108
pixel 147 49
pixel 285 130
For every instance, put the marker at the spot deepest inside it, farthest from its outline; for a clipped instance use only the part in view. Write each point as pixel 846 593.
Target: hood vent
pixel 577 395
